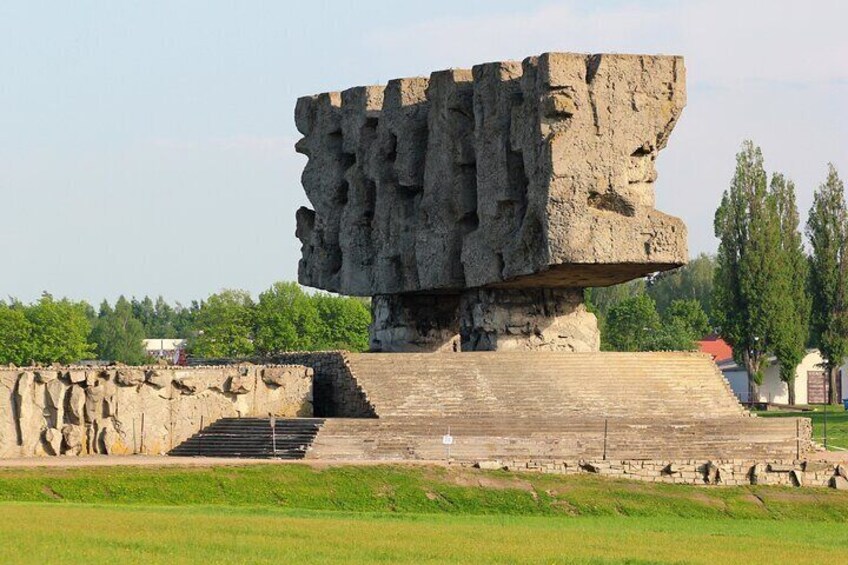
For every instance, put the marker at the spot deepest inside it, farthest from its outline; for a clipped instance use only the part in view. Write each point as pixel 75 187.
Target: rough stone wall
pixel 484 319
pixel 415 323
pixel 550 319
pixel 532 174
pixel 721 472
pixel 126 410
pixel 336 391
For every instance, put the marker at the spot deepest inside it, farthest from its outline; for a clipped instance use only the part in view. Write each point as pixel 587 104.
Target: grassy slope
pixel 402 514
pixel 837 424
pixel 408 489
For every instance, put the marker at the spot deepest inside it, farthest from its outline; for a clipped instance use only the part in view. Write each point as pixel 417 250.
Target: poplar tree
pixel 827 230
pixel 790 320
pixel 747 264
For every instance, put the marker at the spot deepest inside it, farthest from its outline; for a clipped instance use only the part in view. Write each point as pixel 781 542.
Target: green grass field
pixel 398 514
pixel 837 424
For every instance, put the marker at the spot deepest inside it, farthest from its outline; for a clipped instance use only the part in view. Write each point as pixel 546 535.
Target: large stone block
pixel 532 175
pixel 537 174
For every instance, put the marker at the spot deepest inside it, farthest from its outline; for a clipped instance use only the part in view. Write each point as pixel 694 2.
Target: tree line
pixel 227 324
pixel 668 311
pixel 771 296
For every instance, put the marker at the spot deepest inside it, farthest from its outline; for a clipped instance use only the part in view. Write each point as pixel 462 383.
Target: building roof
pixel 716 347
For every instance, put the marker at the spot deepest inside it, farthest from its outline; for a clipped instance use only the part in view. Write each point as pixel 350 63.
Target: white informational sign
pixel 447 439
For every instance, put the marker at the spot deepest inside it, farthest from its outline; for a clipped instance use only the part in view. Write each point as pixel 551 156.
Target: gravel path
pixel 165 461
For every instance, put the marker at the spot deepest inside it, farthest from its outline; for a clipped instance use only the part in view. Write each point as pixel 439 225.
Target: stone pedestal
pixel 413 323
pixel 484 320
pixel 549 319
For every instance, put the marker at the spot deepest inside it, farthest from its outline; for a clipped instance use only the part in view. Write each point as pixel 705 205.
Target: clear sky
pixel 147 147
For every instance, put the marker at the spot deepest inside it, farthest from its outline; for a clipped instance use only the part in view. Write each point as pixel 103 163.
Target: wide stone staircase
pixel 555 405
pixel 252 438
pixel 544 384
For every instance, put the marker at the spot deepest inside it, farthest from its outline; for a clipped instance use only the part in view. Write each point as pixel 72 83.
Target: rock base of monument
pixel 415 323
pixel 547 319
pixel 484 319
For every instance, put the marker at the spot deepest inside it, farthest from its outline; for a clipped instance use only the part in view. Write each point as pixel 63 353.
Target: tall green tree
pixel 747 264
pixel 343 322
pixel 158 317
pixel 791 319
pixel 144 311
pixel 631 324
pixel 693 281
pixel 690 314
pixel 600 300
pixel 183 319
pixel 286 320
pixel 118 334
pixel 223 326
pixel 60 330
pixel 634 324
pixel 827 231
pixel 15 335
pixel 164 315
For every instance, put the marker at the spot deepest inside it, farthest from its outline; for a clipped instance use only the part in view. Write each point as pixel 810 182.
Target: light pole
pixel 826 402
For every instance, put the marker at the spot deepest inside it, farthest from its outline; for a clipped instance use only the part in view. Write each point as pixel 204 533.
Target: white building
pixel 810 381
pixel 164 348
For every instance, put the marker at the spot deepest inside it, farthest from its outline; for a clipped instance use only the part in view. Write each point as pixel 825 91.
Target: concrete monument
pixel 474 206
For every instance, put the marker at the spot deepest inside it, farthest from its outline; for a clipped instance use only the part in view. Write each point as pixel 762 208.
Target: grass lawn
pixel 71 533
pixel 837 424
pixel 395 514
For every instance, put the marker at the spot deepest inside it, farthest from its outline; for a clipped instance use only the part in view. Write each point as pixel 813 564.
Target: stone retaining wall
pixel 337 393
pixel 729 472
pixel 127 410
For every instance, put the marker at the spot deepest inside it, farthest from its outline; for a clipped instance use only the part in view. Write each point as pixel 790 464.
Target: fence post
pixel 273 422
pixel 827 401
pixel 606 424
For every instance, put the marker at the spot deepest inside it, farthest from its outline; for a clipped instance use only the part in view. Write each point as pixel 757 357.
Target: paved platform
pixel 166 461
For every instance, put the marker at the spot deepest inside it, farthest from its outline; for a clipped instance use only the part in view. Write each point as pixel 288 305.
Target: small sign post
pixel 447 441
pixel 273 422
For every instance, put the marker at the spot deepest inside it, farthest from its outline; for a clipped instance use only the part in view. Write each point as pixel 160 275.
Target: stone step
pixel 472 384
pixel 420 438
pixel 252 438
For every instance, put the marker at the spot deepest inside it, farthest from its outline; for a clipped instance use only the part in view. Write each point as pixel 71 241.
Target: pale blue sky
pixel 146 147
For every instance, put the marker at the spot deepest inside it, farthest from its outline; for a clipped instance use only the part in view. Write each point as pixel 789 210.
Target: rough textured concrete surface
pixel 550 319
pixel 127 410
pixel 510 175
